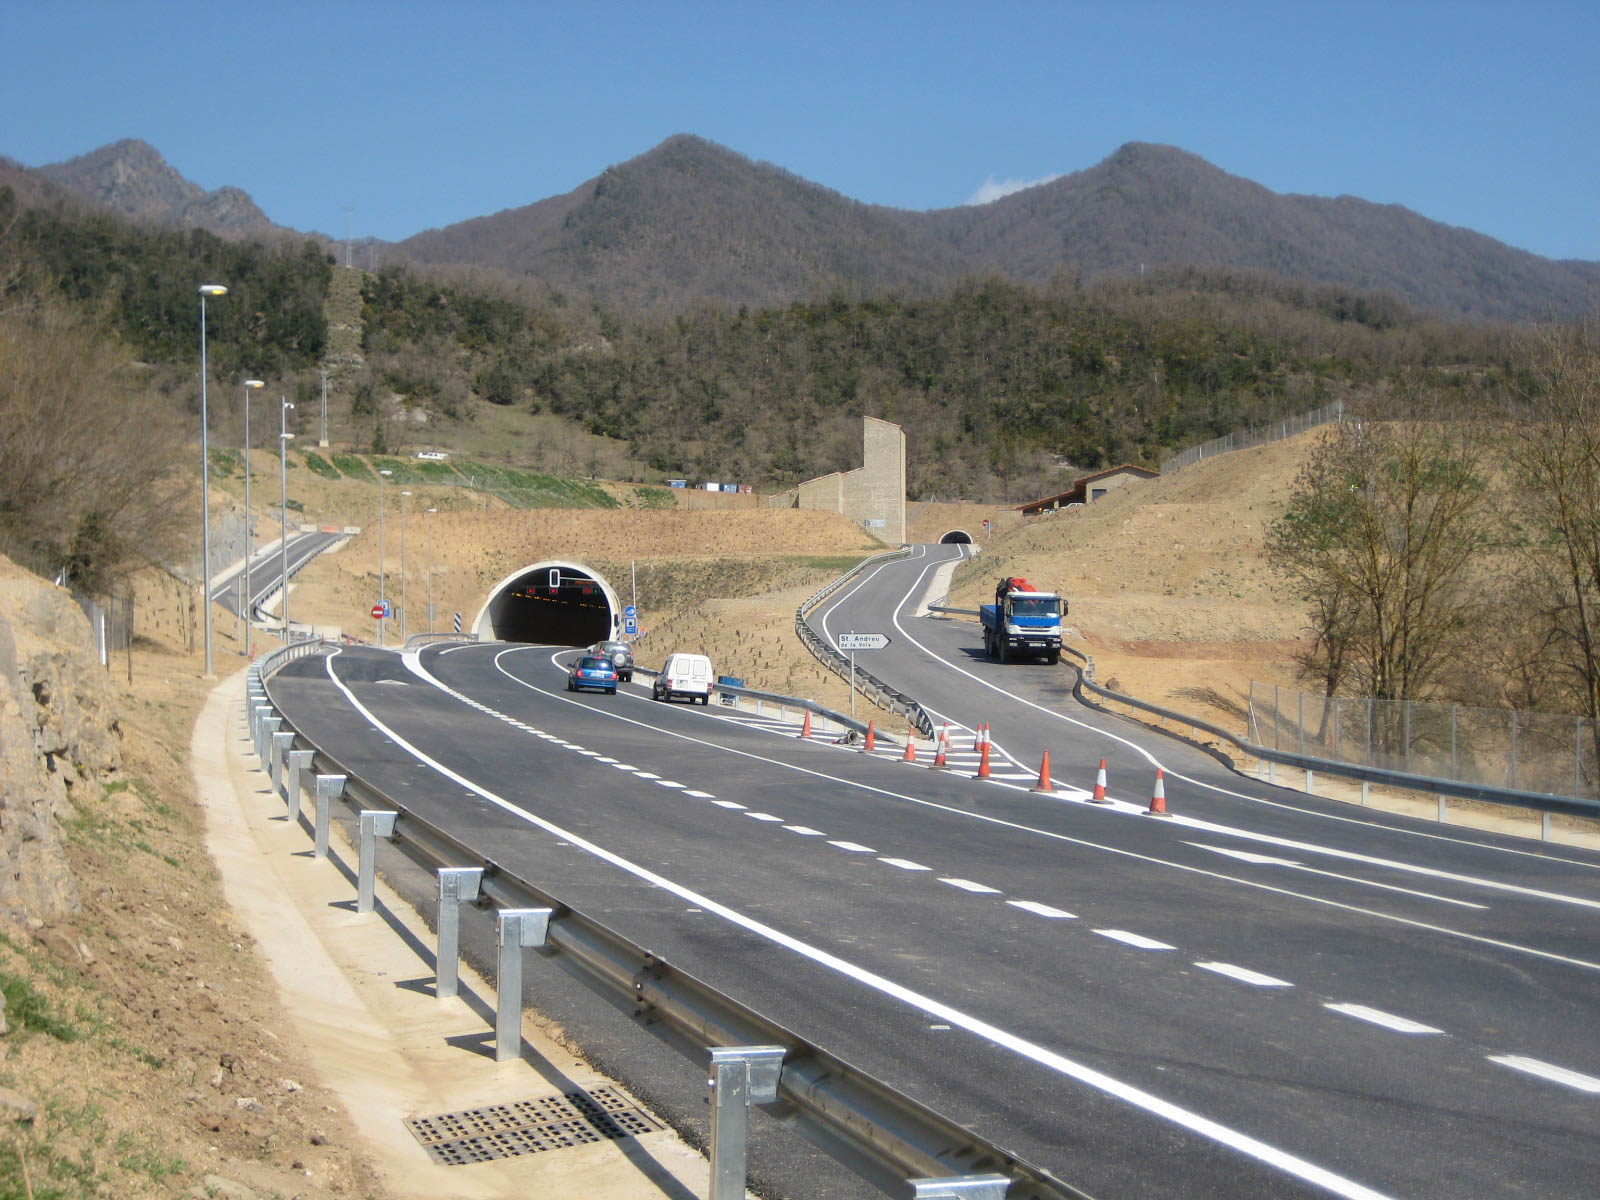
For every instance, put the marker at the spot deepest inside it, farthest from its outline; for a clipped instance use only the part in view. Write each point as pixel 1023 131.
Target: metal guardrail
pixel 870 685
pixel 884 1136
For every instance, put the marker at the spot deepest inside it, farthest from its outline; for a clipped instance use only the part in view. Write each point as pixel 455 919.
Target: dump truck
pixel 1022 621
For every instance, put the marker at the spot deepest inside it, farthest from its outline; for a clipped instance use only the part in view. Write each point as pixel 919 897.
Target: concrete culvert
pixel 552 604
pixel 956 537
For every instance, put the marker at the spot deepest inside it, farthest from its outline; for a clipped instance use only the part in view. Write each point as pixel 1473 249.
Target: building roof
pixel 1079 491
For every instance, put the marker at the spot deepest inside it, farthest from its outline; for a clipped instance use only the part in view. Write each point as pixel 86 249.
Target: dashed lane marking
pixel 1243 974
pixel 1137 940
pixel 1377 1016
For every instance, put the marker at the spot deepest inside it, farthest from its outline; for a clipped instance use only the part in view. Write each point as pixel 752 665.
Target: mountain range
pixel 692 222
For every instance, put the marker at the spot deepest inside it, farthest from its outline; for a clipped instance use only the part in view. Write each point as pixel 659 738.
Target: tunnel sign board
pixel 863 641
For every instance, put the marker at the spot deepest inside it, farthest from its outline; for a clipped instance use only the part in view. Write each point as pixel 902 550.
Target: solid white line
pixel 1137 940
pixel 1269 860
pixel 1544 1070
pixel 905 864
pixel 968 885
pixel 1043 910
pixel 853 847
pixel 1282 1160
pixel 1378 1017
pixel 1243 974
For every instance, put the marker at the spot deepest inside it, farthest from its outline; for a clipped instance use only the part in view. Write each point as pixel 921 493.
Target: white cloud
pixel 993 188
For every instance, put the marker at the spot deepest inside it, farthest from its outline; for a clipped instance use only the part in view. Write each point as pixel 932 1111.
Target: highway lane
pixel 266 568
pixel 1056 975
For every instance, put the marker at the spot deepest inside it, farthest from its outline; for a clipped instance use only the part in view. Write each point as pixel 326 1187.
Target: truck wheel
pixel 1053 657
pixel 1005 649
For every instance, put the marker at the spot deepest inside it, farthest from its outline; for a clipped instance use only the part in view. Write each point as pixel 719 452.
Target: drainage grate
pixel 529 1126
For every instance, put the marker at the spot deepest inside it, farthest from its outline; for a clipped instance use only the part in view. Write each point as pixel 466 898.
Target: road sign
pixel 629 611
pixel 455 623
pixel 630 627
pixel 380 611
pixel 863 641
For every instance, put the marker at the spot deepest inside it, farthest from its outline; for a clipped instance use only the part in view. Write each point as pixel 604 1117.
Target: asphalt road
pixel 266 569
pixel 1263 995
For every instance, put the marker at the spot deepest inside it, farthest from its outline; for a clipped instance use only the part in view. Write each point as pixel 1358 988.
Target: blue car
pixel 592 671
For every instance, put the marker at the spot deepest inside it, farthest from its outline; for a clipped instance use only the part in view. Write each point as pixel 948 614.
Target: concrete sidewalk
pixel 363 1001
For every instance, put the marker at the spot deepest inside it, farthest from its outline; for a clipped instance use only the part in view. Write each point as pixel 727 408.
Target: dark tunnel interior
pixel 551 605
pixel 956 537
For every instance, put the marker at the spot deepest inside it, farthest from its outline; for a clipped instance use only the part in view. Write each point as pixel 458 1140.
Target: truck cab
pixel 1022 620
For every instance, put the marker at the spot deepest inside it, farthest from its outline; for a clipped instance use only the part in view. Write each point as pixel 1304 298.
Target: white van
pixel 684 675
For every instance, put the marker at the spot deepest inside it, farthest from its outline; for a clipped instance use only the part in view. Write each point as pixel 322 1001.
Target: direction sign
pixel 863 641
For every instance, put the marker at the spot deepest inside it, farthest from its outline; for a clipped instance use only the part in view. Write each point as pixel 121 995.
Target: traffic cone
pixel 1100 785
pixel 941 761
pixel 979 736
pixel 983 761
pixel 1044 785
pixel 871 744
pixel 805 730
pixel 910 756
pixel 1158 802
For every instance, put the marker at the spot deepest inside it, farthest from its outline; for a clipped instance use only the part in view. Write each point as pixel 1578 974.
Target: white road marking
pixel 622 766
pixel 1378 1017
pixel 1269 861
pixel 1243 974
pixel 1043 910
pixel 1137 940
pixel 853 847
pixel 668 783
pixel 647 775
pixel 969 885
pixel 905 864
pixel 761 816
pixel 1242 1143
pixel 699 795
pixel 1544 1070
pixel 727 804
pixel 804 830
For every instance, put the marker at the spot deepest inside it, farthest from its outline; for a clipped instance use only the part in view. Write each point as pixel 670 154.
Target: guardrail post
pixel 258 728
pixel 299 764
pixel 281 742
pixel 520 929
pixel 329 789
pixel 269 726
pixel 375 824
pixel 740 1076
pixel 455 885
pixel 961 1187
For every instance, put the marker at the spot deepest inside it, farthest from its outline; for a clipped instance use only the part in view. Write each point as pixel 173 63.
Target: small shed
pixel 1088 488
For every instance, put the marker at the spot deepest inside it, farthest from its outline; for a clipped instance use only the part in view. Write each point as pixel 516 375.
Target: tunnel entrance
pixel 551 603
pixel 956 537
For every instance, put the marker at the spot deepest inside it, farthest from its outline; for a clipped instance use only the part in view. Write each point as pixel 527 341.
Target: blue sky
pixel 414 115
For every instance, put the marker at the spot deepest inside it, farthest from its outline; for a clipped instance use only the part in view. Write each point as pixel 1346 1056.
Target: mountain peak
pixel 131 177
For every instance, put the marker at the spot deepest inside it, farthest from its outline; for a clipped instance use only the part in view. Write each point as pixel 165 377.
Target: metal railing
pixel 877 691
pixel 1284 427
pixel 884 1136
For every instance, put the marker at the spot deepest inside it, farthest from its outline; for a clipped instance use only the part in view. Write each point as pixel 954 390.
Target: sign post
pixel 859 641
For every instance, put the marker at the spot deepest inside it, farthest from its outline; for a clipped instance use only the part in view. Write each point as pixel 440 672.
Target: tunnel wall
pixel 956 537
pixel 490 623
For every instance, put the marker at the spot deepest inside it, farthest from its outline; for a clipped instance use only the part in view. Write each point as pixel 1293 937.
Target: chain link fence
pixel 1499 747
pixel 1242 439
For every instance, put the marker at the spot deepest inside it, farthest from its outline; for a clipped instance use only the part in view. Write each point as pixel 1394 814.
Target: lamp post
pixel 383 595
pixel 206 289
pixel 284 438
pixel 403 496
pixel 244 609
pixel 431 511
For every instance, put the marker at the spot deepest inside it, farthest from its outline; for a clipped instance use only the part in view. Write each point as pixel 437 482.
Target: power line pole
pixel 323 440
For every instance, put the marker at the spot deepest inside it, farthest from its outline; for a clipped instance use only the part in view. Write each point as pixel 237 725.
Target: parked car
pixel 592 671
pixel 621 656
pixel 684 675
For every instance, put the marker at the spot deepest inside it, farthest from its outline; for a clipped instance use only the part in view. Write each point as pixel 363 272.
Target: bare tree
pixel 1554 452
pixel 1380 536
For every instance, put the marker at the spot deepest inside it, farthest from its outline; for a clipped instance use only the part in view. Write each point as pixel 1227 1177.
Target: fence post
pixel 1408 735
pixel 1368 762
pixel 329 789
pixel 374 824
pixel 520 929
pixel 1336 728
pixel 740 1076
pixel 1277 717
pixel 1577 756
pixel 1455 761
pixel 455 885
pixel 1513 747
pixel 1300 721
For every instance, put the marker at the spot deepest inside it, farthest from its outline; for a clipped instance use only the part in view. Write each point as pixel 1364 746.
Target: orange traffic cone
pixel 983 761
pixel 871 743
pixel 941 760
pixel 1044 785
pixel 980 735
pixel 910 756
pixel 1100 785
pixel 805 730
pixel 1158 802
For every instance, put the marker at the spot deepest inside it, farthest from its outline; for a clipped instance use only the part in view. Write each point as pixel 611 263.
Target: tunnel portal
pixel 956 537
pixel 550 603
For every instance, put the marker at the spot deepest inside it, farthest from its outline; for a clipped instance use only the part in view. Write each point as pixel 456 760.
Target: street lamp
pixel 403 496
pixel 206 289
pixel 284 438
pixel 383 595
pixel 431 511
pixel 244 608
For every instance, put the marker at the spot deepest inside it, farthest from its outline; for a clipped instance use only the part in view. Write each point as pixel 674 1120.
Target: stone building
pixel 873 495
